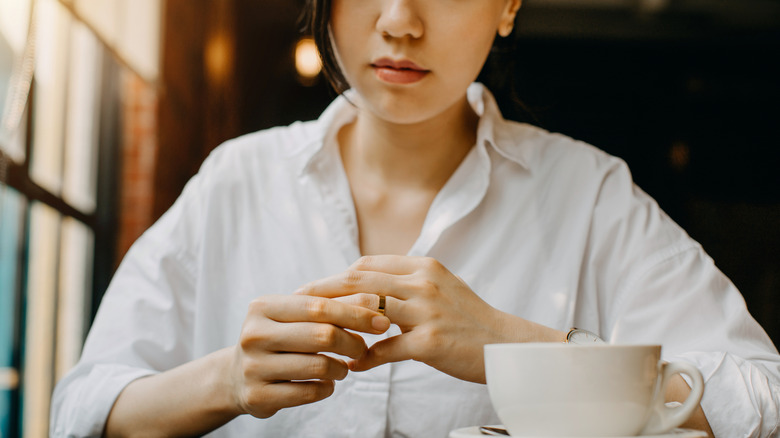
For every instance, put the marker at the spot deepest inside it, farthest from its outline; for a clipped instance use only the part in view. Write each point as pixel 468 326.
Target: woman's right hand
pixel 279 361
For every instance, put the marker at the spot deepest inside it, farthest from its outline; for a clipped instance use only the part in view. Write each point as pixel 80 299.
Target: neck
pixel 417 156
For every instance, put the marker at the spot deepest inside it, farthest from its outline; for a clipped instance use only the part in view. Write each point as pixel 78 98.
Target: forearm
pixel 516 329
pixel 189 400
pixel 678 391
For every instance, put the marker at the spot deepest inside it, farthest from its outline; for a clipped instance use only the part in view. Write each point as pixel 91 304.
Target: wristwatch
pixel 582 337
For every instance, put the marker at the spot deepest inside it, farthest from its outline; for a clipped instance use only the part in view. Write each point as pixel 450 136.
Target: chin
pixel 400 108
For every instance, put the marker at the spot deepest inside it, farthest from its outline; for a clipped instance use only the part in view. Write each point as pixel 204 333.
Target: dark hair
pixel 315 19
pixel 498 73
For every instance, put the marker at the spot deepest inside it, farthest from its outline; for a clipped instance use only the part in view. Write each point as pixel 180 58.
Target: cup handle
pixel 662 418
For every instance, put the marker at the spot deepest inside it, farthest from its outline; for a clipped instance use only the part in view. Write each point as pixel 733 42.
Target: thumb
pixel 394 349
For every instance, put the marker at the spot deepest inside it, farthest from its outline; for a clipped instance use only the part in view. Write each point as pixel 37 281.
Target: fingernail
pixel 380 323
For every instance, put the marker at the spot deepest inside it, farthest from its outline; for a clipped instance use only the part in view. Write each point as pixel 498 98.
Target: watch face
pixel 583 337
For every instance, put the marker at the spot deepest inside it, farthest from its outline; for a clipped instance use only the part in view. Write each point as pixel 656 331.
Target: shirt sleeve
pixel 144 324
pixel 665 289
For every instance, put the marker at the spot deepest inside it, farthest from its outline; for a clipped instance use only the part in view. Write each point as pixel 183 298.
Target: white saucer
pixel 471 432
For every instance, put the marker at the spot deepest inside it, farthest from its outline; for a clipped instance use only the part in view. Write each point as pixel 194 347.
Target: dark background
pixel 688 95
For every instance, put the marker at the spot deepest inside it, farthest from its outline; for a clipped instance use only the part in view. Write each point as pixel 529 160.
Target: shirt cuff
pixel 84 398
pixel 739 400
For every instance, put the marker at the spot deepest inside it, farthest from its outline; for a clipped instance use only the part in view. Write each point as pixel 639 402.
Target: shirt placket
pixel 371 389
pixel 337 208
pixel 462 193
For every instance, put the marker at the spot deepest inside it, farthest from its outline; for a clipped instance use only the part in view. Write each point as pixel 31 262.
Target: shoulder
pixel 536 149
pixel 264 148
pixel 238 177
pixel 553 155
pixel 247 168
pixel 260 160
pixel 596 189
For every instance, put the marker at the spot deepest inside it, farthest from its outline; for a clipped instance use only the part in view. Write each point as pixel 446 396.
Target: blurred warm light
pixel 679 156
pixel 307 59
pixel 9 379
pixel 219 57
pixel 653 6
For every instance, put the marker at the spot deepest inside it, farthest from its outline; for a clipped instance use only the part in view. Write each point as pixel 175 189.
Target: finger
pixel 389 264
pixel 397 265
pixel 295 366
pixel 298 308
pixel 311 337
pixel 395 309
pixel 367 301
pixel 394 349
pixel 289 394
pixel 354 281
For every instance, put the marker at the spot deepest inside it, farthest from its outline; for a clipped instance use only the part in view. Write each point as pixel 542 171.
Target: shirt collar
pixel 505 137
pixel 462 193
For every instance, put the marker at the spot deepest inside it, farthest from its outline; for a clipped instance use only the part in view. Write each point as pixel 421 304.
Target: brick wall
pixel 138 155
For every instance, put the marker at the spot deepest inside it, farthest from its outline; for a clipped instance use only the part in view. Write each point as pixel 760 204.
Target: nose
pixel 400 18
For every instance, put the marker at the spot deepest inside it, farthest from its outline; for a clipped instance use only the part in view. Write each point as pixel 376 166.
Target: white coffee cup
pixel 585 390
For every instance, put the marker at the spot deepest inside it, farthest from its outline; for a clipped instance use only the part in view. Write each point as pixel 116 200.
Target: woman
pixel 472 230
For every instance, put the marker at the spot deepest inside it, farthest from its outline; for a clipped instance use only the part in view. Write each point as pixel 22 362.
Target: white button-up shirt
pixel 539 225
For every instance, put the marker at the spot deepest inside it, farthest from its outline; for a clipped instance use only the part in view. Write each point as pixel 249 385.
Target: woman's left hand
pixel 443 322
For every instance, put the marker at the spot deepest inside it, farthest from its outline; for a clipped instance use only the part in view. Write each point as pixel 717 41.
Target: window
pixel 58 91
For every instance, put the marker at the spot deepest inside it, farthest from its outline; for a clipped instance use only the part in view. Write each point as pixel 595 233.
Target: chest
pixel 505 243
pixel 509 263
pixel 390 223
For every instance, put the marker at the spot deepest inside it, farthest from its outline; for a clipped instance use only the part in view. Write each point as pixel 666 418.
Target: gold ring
pixel 382 301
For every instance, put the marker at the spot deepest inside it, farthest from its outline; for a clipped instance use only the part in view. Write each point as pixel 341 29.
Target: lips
pixel 403 64
pixel 401 71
